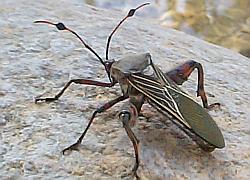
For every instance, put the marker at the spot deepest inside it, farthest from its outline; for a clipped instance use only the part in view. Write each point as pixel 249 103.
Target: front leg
pixel 76 81
pixel 128 115
pixel 181 73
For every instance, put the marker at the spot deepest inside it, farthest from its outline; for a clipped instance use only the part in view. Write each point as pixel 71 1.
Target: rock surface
pixel 36 59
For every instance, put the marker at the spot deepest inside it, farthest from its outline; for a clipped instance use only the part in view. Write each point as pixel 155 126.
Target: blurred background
pixel 222 22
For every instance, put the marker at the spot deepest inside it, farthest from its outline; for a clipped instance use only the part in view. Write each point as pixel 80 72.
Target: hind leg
pixel 181 73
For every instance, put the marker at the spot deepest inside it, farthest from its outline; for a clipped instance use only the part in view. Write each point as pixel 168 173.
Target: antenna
pixel 130 14
pixel 61 26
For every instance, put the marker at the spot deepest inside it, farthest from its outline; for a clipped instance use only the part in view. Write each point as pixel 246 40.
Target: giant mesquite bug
pixel 160 90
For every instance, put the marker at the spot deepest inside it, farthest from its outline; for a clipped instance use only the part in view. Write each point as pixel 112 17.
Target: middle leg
pixel 99 110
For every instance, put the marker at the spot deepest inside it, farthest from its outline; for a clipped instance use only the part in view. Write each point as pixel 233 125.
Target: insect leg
pixel 128 116
pixel 99 110
pixel 181 73
pixel 76 81
pixel 135 142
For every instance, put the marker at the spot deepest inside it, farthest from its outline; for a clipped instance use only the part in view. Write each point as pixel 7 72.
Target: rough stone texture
pixel 36 59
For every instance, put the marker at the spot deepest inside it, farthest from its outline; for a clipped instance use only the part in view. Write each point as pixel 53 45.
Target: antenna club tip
pixel 60 26
pixel 37 22
pixel 132 11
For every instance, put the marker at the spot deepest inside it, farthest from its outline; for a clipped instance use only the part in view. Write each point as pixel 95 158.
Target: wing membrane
pixel 162 93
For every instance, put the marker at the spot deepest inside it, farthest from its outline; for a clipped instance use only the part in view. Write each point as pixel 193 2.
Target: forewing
pixel 157 94
pixel 162 93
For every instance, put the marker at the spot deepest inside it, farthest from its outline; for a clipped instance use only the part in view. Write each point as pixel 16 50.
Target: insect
pixel 159 89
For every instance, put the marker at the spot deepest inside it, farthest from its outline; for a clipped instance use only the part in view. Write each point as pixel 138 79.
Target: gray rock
pixel 2 121
pixel 37 59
